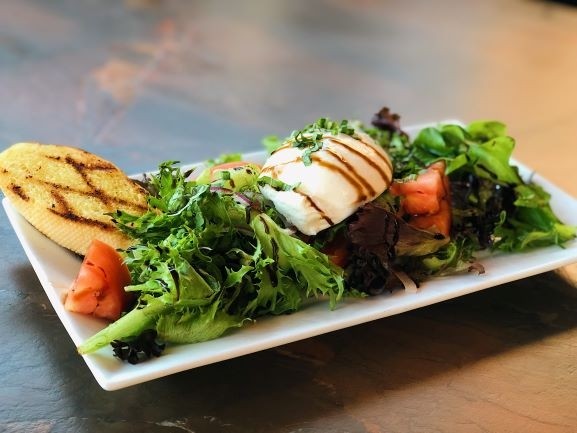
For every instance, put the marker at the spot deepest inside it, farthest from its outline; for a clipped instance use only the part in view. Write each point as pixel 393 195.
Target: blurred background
pixel 185 78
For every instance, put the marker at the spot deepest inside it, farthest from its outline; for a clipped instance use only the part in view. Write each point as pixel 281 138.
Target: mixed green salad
pixel 213 254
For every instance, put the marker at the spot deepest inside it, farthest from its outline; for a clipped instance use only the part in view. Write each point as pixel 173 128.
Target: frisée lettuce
pixel 209 259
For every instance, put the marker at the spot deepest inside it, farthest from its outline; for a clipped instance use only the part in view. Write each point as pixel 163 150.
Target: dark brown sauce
pixel 360 179
pixel 272 169
pixel 387 177
pixel 352 177
pixel 345 169
pixel 316 207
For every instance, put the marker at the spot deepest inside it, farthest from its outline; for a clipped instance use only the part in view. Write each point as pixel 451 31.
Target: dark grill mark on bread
pixel 71 216
pixel 17 189
pixel 63 210
pixel 84 169
pixel 69 194
pixel 95 192
pixel 62 206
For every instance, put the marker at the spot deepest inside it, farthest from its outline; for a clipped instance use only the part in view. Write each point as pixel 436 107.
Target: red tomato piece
pixel 439 222
pixel 426 199
pixel 422 195
pixel 421 203
pixel 99 286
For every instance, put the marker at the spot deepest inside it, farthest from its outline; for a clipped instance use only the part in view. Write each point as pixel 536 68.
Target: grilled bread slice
pixel 67 192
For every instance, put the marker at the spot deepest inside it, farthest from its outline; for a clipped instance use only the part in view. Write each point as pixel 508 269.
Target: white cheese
pixel 344 174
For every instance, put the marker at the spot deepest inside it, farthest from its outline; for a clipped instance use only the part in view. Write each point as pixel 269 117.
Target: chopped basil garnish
pixel 310 138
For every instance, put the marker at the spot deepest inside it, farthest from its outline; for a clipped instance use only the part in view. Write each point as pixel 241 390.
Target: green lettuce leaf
pixel 298 262
pixel 205 263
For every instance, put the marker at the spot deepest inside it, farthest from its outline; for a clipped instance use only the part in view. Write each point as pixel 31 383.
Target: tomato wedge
pixel 425 201
pixel 99 286
pixel 437 222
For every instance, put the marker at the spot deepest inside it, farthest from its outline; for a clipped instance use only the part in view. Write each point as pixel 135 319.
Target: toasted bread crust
pixel 66 193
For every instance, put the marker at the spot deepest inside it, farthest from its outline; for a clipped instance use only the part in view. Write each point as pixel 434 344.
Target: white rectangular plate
pixel 56 269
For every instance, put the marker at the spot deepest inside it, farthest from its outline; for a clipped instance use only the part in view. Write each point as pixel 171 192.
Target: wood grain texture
pixel 142 81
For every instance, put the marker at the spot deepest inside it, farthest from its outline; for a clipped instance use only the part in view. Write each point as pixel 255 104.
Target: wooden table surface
pixel 142 81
